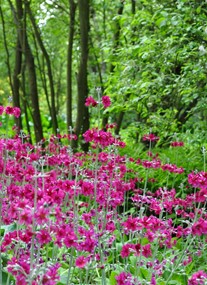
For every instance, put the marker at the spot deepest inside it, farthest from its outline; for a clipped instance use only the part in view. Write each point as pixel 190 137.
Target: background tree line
pixel 149 56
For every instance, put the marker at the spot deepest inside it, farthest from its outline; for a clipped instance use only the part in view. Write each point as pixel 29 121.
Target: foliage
pixel 160 66
pixel 150 58
pixel 101 217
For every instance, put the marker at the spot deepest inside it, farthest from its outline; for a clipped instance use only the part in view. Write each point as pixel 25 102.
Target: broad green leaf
pixel 112 279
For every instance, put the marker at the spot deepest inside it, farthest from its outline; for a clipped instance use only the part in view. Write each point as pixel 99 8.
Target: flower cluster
pixel 68 212
pixel 177 144
pixel 150 137
pixel 15 111
pixel 90 101
pixel 198 278
pixel 100 138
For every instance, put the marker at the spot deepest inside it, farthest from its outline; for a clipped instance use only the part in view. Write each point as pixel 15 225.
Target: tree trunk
pixel 69 63
pixel 49 68
pixel 20 21
pixel 82 120
pixel 15 83
pixel 33 91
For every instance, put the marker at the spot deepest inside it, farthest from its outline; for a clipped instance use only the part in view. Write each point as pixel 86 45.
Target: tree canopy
pixel 149 56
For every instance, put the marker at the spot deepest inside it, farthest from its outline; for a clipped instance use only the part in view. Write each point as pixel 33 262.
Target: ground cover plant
pixel 99 217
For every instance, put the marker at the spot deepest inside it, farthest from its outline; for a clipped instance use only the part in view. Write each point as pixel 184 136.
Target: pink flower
pixel 43 236
pixel 16 112
pixel 26 217
pixel 124 278
pixel 153 280
pixel 146 250
pixel 126 250
pixel 106 101
pixel 81 261
pixel 150 137
pixel 41 215
pixel 1 110
pixel 100 138
pixel 198 278
pixel 90 101
pixel 87 188
pixel 131 224
pixel 111 126
pixel 9 110
pixel 187 261
pixel 70 239
pixel 177 144
pixel 51 275
pixel 199 227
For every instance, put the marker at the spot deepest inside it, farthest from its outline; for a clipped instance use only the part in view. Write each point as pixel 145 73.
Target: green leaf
pixel 161 22
pixel 112 279
pixel 9 228
pixel 198 10
pixel 145 273
pixel 5 277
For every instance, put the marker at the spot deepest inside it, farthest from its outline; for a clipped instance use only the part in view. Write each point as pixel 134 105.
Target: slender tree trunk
pixel 15 83
pixel 33 91
pixel 42 68
pixel 6 48
pixel 82 120
pixel 69 63
pixel 133 7
pixel 25 101
pixel 20 21
pixel 59 86
pixel 16 80
pixel 49 68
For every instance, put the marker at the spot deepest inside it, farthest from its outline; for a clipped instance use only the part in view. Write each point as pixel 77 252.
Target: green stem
pixel 70 265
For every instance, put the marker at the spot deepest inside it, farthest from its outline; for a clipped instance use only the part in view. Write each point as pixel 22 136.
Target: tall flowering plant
pixel 93 218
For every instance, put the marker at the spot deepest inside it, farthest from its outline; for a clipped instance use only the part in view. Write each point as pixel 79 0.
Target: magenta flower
pixel 198 278
pixel 41 215
pixel 200 227
pixel 1 110
pixel 131 224
pixel 106 101
pixel 43 236
pixel 26 217
pixel 51 276
pixel 177 144
pixel 9 110
pixel 127 249
pixel 146 250
pixel 81 261
pixel 124 278
pixel 16 112
pixel 150 137
pixel 153 280
pixel 90 101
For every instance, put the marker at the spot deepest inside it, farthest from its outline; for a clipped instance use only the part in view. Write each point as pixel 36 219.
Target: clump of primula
pixel 177 144
pixel 90 101
pixel 150 137
pixel 73 208
pixel 198 278
pixel 106 101
pixel 15 111
pixel 101 138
